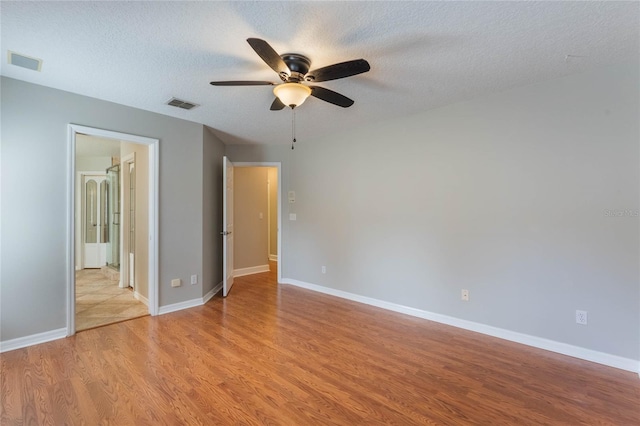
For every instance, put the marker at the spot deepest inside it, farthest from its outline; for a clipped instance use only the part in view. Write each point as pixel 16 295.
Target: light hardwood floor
pixel 99 301
pixel 281 355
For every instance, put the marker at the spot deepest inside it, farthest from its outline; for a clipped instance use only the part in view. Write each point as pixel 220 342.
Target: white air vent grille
pixel 179 103
pixel 24 61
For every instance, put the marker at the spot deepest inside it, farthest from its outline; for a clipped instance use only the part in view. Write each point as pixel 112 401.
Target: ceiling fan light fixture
pixel 292 94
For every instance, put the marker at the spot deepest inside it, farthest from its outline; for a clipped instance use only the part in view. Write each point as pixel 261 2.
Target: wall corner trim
pixel 525 339
pixel 34 339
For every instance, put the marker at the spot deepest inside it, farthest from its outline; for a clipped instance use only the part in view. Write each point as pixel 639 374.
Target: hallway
pixel 99 301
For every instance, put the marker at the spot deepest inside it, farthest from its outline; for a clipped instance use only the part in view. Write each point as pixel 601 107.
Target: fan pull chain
pixel 293 127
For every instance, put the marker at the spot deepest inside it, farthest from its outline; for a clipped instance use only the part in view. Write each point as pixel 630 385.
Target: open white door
pixel 227 226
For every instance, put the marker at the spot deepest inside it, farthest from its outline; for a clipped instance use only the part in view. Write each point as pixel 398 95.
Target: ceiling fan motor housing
pixel 298 64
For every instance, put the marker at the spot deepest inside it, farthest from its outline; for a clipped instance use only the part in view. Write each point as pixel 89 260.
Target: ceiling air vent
pixel 24 61
pixel 179 103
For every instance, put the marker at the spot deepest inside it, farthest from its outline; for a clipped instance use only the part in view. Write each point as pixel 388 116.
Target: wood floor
pixel 280 355
pixel 100 301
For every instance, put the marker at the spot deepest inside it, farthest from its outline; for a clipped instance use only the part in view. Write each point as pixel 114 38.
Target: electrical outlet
pixel 324 269
pixel 581 317
pixel 194 279
pixel 464 295
pixel 176 283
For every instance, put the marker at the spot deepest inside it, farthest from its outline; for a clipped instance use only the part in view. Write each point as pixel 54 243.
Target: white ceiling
pixel 422 54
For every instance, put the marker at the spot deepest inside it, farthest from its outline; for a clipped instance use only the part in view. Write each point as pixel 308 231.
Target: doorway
pixel 106 290
pixel 257 218
pixel 111 224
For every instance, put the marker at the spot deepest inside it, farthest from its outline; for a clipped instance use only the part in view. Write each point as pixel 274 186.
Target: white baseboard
pixel 141 298
pixel 34 339
pixel 180 306
pixel 250 271
pixel 525 339
pixel 273 257
pixel 189 303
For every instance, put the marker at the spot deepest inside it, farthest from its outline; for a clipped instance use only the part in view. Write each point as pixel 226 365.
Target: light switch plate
pixel 292 216
pixel 176 283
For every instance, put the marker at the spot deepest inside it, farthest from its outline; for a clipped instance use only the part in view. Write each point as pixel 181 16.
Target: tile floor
pixel 99 301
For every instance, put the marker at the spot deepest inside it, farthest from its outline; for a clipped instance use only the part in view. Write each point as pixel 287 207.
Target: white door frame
pixel 154 162
pixel 277 165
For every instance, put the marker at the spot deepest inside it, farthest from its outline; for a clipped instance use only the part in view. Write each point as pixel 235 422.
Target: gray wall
pixel 520 197
pixel 212 153
pixel 34 200
pixel 510 196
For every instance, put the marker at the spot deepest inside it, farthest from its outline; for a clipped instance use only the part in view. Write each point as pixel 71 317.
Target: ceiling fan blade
pixel 242 83
pixel 277 105
pixel 331 96
pixel 341 70
pixel 270 57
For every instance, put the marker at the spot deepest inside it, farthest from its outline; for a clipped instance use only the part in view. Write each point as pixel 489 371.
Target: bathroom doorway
pixel 112 165
pixel 105 292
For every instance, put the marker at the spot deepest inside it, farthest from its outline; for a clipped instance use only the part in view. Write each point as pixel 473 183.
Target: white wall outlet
pixel 464 295
pixel 194 279
pixel 176 283
pixel 292 216
pixel 581 317
pixel 324 269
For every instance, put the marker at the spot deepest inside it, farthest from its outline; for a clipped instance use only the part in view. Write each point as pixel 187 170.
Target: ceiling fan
pixel 293 70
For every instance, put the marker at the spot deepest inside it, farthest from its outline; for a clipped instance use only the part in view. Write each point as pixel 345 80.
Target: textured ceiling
pixel 422 54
